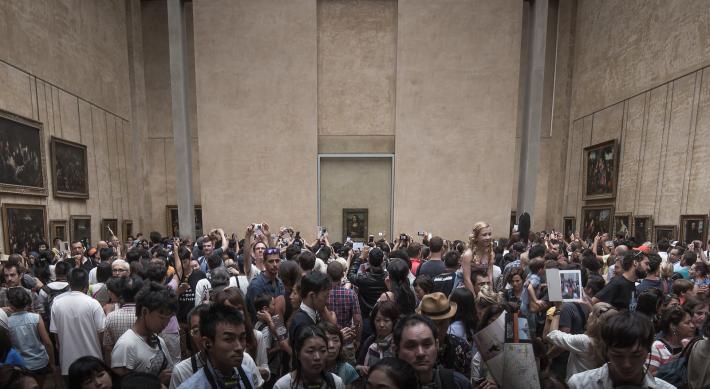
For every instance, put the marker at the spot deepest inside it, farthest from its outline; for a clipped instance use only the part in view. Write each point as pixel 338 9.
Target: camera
pixel 257 227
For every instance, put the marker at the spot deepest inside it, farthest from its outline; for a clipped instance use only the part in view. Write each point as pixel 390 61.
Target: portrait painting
pixel 600 170
pixel 622 224
pixel 355 224
pixel 571 285
pixel 109 227
pixel 665 232
pixel 21 156
pixel 80 229
pixel 70 173
pixel 596 220
pixel 692 227
pixel 569 226
pixel 24 227
pixel 174 223
pixel 57 230
pixel 127 230
pixel 643 229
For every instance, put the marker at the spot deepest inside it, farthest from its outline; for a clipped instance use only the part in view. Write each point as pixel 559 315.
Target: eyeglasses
pixel 194 331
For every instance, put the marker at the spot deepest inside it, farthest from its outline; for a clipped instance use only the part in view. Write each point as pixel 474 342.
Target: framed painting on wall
pixel 622 224
pixel 127 229
pixel 600 170
pixel 109 227
pixel 668 233
pixel 57 230
pixel 24 227
pixel 693 227
pixel 171 212
pixel 643 229
pixel 596 219
pixel 569 224
pixel 80 229
pixel 355 221
pixel 21 156
pixel 70 172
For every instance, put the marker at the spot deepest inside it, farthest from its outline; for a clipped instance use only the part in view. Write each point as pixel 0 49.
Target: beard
pixel 640 273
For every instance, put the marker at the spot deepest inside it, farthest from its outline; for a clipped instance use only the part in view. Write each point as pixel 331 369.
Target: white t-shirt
pixel 183 370
pixel 132 352
pixel 92 276
pixel 285 383
pixel 77 319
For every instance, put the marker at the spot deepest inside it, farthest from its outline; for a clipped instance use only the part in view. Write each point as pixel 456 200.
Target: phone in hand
pixel 370 239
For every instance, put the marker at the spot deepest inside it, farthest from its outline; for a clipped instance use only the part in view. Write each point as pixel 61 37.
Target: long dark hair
pixel 399 285
pixel 465 309
pixel 304 334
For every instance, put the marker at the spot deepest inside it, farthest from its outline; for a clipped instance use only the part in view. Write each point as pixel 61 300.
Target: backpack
pixel 675 372
pixel 51 294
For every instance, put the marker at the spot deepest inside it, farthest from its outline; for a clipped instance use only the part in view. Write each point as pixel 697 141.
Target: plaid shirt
pixel 118 322
pixel 344 303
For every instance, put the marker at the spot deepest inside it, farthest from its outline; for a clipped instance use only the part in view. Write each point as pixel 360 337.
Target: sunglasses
pixel 272 250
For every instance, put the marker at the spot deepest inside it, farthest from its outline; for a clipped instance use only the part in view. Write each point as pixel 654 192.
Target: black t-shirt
pixel 431 268
pixel 619 292
pixel 186 301
pixel 574 316
pixel 444 283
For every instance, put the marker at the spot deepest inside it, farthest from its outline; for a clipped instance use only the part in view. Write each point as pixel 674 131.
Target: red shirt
pixel 415 264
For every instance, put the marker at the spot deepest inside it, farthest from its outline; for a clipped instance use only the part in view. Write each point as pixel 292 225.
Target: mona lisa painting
pixel 355 224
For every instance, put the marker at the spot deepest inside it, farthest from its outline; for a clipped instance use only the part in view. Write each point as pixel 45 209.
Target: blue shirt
pixel 199 381
pixel 13 358
pixel 261 285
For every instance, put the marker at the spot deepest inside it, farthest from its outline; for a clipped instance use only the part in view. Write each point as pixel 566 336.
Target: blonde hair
pixel 487 297
pixel 473 242
pixel 666 270
pixel 601 312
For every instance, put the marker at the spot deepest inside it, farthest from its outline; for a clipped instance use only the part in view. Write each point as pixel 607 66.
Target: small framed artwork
pixel 600 170
pixel 171 211
pixel 692 227
pixel 570 226
pixel 80 229
pixel 109 227
pixel 21 156
pixel 355 221
pixel 70 172
pixel 127 229
pixel 668 233
pixel 57 230
pixel 622 224
pixel 643 229
pixel 596 219
pixel 24 227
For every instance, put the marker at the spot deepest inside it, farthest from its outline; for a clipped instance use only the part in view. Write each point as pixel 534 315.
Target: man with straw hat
pixel 454 352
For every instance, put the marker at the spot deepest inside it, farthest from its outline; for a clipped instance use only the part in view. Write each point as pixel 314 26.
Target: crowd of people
pixel 273 310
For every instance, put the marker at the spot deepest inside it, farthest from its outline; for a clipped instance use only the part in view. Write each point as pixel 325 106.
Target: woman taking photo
pixel 479 254
pixel 399 287
pixel 334 361
pixel 310 349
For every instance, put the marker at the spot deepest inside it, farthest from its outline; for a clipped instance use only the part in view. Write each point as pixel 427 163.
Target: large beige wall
pixel 457 92
pixel 640 77
pixel 66 66
pixel 255 71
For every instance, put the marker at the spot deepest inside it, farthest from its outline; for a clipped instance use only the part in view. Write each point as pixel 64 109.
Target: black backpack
pixel 51 294
pixel 675 372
